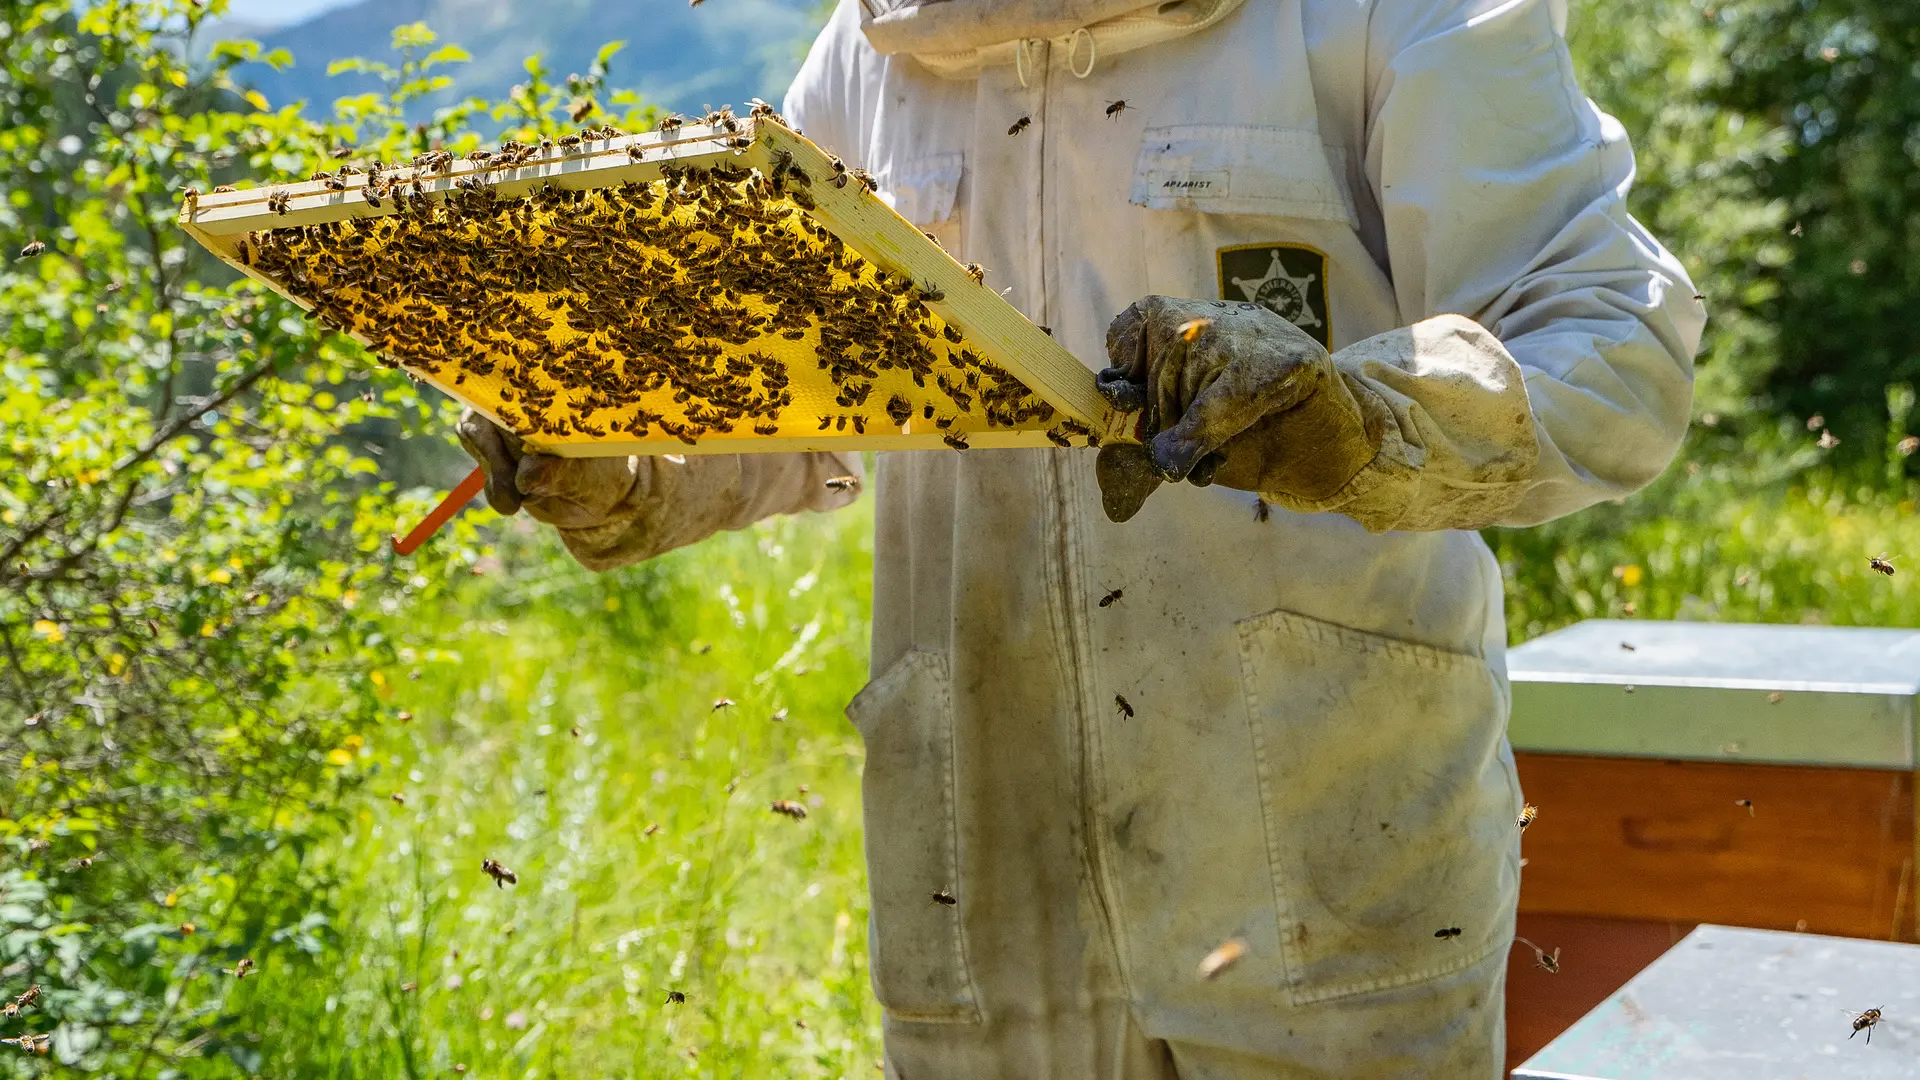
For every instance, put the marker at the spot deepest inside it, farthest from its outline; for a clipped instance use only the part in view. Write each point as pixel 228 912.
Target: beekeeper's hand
pixel 1233 394
pixel 611 511
pixel 571 493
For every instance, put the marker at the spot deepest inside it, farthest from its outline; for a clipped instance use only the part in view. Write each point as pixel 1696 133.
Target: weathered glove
pixel 611 511
pixel 1234 394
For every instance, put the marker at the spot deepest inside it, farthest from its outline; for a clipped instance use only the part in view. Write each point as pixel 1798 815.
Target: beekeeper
pixel 1377 283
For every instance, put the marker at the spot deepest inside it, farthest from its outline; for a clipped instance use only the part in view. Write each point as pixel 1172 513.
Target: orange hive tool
pixel 449 506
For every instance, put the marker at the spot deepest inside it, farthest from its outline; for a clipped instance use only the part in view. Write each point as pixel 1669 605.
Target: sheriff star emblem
pixel 1286 279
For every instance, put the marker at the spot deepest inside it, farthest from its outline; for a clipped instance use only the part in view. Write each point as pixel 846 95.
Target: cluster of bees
pixel 676 306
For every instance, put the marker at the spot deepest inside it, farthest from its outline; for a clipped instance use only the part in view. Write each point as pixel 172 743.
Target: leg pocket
pixel 1389 798
pixel 917 948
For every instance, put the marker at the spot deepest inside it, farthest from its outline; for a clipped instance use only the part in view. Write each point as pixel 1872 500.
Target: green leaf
pixel 605 54
pixel 447 54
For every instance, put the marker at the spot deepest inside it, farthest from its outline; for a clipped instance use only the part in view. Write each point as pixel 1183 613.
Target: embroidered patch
pixel 1289 280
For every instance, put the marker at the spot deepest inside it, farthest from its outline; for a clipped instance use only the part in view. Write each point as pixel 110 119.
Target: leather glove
pixel 571 493
pixel 611 511
pixel 1234 394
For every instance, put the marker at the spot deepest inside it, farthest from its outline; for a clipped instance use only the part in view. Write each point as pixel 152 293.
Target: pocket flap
pixel 923 189
pixel 1239 169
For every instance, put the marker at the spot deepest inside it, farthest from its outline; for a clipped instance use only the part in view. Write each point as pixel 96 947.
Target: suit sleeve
pixel 1551 363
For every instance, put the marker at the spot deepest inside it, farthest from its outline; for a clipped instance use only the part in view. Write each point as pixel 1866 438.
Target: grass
pixel 760 920
pixel 557 718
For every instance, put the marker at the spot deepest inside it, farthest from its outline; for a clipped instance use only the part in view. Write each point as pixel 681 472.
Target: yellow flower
pixel 50 630
pixel 220 577
pixel 116 663
pixel 1629 575
pixel 337 756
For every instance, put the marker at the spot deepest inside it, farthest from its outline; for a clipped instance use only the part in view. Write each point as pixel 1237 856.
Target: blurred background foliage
pixel 236 728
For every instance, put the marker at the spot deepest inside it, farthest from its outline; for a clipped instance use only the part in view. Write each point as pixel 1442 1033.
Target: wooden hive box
pixel 719 287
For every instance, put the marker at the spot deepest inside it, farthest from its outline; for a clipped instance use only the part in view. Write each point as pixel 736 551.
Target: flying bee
pixel 1748 803
pixel 1115 108
pixel 1542 959
pixel 24 1001
pixel 1527 814
pixel 944 898
pixel 1220 959
pixel 1864 1021
pixel 31 1043
pixel 1126 707
pixel 342 152
pixel 33 250
pixel 1112 598
pixel 1447 933
pixel 1020 125
pixel 1191 330
pixel 502 877
pixel 1880 564
pixel 241 969
pixel 789 808
pixel 675 997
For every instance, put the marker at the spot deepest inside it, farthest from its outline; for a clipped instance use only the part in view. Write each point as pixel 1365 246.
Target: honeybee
pixel 33 250
pixel 242 969
pixel 1447 933
pixel 843 483
pixel 569 143
pixel 1864 1021
pixel 650 829
pixel 1126 707
pixel 789 808
pixel 399 798
pixel 225 189
pixel 865 179
pixel 955 439
pixel 670 124
pixel 502 877
pixel 1748 803
pixel 1527 814
pixel 1545 961
pixel 24 1001
pixel 722 703
pixel 945 898
pixel 932 293
pixel 1220 959
pixel 1115 108
pixel 1191 330
pixel 1112 598
pixel 1020 125
pixel 1880 564
pixel 277 202
pixel 977 272
pixel 342 152
pixel 31 1043
pixel 1262 513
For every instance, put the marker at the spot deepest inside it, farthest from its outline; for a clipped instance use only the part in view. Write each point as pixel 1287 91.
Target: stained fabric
pixel 1287 730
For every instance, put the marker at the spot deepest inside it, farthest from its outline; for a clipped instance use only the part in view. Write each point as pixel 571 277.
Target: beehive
pixel 722 286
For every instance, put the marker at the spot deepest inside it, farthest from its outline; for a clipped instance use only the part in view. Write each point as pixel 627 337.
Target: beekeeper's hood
pixel 958 37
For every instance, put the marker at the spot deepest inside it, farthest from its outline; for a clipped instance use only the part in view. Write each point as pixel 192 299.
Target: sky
pixel 280 12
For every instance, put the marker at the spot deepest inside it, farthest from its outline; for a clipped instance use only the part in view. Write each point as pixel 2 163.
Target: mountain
pixel 676 56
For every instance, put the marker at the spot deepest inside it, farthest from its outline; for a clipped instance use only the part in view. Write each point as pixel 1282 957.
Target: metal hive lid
pixel 1821 659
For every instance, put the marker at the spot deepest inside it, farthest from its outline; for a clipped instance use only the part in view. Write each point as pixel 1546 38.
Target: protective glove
pixel 570 493
pixel 611 511
pixel 1234 394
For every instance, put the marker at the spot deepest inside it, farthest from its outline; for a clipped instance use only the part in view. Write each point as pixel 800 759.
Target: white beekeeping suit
pixel 1289 728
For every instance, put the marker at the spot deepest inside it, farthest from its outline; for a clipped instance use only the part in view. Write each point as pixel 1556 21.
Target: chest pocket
pixel 1240 169
pixel 926 190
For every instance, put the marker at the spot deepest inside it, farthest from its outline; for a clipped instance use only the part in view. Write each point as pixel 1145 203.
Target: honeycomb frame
pixel 977 322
